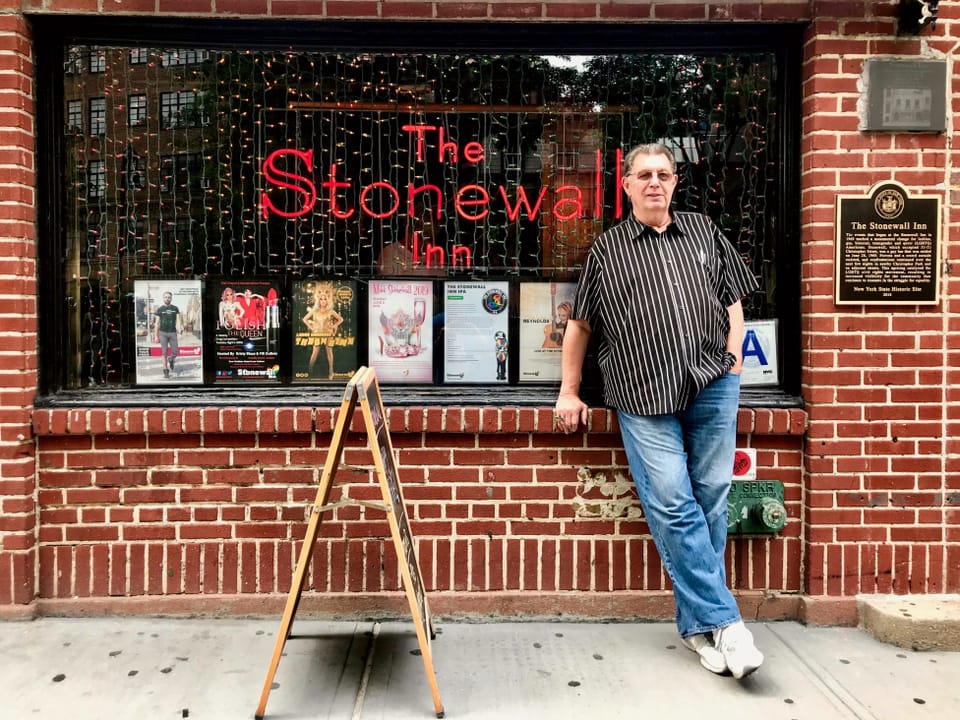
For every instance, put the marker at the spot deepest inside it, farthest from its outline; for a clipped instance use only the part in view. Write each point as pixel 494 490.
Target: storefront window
pixel 293 175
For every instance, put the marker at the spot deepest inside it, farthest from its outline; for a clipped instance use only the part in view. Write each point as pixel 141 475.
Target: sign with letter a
pixel 760 356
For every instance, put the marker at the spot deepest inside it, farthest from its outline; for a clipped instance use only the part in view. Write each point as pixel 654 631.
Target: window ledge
pixel 481 410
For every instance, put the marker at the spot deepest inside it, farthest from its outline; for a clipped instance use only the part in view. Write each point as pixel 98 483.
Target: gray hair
pixel 648 149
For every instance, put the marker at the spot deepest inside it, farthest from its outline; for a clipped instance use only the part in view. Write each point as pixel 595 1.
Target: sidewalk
pixel 214 669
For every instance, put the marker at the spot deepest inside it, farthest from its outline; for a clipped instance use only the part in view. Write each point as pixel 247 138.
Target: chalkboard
pixel 363 387
pixel 385 462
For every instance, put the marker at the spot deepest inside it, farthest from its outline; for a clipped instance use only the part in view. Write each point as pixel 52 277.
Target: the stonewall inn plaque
pixel 888 247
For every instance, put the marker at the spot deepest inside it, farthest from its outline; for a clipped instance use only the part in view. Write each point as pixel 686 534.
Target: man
pixel 169 326
pixel 662 290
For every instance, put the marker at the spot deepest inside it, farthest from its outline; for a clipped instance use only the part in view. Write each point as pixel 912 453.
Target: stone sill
pixel 401 419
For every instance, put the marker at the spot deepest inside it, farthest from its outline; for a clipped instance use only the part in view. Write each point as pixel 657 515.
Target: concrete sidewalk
pixel 214 669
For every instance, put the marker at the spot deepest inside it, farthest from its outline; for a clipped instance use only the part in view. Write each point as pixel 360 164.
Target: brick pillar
pixel 876 378
pixel 18 316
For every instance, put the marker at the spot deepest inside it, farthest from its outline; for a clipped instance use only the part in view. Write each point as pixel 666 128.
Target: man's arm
pixel 735 337
pixel 570 409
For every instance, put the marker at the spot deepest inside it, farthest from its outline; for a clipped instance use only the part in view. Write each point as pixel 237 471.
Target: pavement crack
pixel 829 685
pixel 367 669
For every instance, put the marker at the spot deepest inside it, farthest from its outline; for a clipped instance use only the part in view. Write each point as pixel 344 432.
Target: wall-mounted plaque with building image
pixel 887 247
pixel 904 95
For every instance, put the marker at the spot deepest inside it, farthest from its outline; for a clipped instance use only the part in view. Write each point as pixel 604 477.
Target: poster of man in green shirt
pixel 168 320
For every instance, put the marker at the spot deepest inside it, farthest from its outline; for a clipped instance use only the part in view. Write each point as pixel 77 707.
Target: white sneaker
pixel 735 643
pixel 710 657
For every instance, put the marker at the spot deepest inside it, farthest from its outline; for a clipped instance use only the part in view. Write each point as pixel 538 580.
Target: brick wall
pixel 18 319
pixel 213 502
pixel 208 504
pixel 882 481
pixel 501 10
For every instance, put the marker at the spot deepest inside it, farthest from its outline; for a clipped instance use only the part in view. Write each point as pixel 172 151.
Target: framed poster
pixel 476 331
pixel 400 330
pixel 246 335
pixel 169 331
pixel 324 330
pixel 544 309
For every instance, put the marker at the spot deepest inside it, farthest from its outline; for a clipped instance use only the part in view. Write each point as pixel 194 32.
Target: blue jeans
pixel 682 465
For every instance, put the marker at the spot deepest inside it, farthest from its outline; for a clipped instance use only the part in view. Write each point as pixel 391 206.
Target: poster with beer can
pixel 476 346
pixel 246 335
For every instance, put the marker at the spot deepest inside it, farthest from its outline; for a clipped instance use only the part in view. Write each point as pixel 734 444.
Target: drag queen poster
pixel 246 336
pixel 325 330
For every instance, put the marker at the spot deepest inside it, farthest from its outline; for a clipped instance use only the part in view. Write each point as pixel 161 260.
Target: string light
pixel 211 118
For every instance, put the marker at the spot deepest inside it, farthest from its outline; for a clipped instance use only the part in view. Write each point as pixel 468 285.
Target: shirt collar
pixel 638 229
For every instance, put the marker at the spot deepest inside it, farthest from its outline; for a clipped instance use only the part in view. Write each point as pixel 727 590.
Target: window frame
pixel 56 33
pixel 96 61
pixel 181 113
pixel 74 117
pixel 97 117
pixel 96 174
pixel 136 112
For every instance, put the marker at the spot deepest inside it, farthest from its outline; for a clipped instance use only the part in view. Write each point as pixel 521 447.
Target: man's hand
pixel 569 412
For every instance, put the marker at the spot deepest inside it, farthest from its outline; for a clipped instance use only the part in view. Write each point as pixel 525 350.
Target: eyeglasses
pixel 647 176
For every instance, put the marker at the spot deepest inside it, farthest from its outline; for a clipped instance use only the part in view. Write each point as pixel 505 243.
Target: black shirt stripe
pixel 658 304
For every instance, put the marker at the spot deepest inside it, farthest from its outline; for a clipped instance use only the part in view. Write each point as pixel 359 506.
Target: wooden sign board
pixel 363 387
pixel 385 462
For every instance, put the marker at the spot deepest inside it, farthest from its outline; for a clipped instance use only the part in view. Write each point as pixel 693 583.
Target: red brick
pixel 242 7
pixel 141 532
pixel 211 568
pixel 632 10
pixel 344 8
pixel 572 10
pixel 515 10
pixel 201 7
pixel 202 531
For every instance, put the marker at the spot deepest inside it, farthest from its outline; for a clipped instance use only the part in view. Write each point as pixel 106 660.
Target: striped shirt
pixel 657 302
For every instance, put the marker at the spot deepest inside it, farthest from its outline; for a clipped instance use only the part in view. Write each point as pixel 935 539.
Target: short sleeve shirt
pixel 167 318
pixel 658 305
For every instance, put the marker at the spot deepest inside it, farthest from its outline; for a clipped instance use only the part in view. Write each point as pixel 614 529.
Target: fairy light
pixel 226 111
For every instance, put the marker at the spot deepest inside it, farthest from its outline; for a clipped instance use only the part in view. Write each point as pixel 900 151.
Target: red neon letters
pixel 470 202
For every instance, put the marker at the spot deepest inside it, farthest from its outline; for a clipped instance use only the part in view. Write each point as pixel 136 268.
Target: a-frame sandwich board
pixel 363 387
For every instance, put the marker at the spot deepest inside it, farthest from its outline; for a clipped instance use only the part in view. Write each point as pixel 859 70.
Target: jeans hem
pixel 710 628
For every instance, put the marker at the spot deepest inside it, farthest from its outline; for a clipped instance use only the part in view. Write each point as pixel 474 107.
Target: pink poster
pixel 401 330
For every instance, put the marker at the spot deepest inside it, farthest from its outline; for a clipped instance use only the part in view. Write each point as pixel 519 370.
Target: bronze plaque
pixel 888 248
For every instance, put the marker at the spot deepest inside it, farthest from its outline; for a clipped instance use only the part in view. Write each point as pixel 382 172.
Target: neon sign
pixel 471 202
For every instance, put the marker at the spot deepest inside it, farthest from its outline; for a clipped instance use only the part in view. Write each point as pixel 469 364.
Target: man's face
pixel 650 185
pixel 167 298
